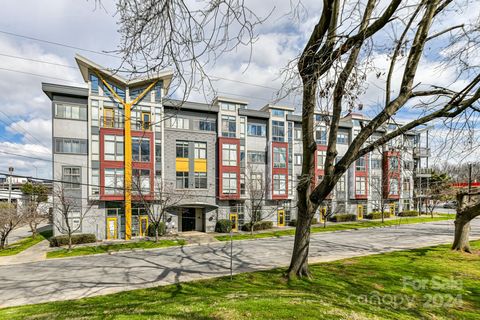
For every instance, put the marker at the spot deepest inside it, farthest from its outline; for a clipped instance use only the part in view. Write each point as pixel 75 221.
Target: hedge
pixel 293 223
pixel 377 215
pixel 162 229
pixel 343 217
pixel 410 213
pixel 62 240
pixel 223 226
pixel 261 225
pixel 314 221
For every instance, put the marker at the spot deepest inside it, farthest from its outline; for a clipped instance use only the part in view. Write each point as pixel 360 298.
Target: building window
pixel 229 183
pixel 278 113
pixel 298 134
pixel 360 164
pixel 182 149
pixel 178 123
pixel 200 151
pixel 113 147
pixel 93 83
pixel 393 163
pixel 298 159
pixel 67 145
pixel 340 186
pixel 146 123
pixel 360 185
pixel 393 186
pixel 182 180
pixel 257 157
pixel 406 186
pixel 321 136
pixel 113 181
pixel 71 177
pixel 257 130
pixel 158 152
pixel 321 159
pixel 200 180
pixel 206 125
pixel 66 111
pixel 228 106
pixel 141 181
pixel 256 183
pixel 376 163
pixel 229 126
pixel 278 131
pixel 279 184
pixel 140 149
pixel 229 154
pixel 95 181
pixel 279 157
pixel 342 138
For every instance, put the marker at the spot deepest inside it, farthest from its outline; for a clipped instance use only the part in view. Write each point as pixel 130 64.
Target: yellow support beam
pixel 128 151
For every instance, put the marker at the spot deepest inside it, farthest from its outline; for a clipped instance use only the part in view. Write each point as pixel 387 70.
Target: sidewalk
pixel 35 253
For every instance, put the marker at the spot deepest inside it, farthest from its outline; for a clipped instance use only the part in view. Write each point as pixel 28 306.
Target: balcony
pixel 111 122
pixel 420 152
pixel 118 123
pixel 423 172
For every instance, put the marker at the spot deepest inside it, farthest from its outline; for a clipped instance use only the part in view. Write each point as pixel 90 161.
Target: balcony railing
pixel 117 122
pixel 423 172
pixel 111 122
pixel 419 152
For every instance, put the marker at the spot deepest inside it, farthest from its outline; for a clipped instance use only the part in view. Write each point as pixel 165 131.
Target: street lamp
pixel 10 172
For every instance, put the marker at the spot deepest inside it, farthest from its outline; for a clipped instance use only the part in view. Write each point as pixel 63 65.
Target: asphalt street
pixel 62 279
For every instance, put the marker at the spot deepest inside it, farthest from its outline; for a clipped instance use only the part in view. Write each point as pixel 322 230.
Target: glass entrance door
pixel 112 232
pixel 360 212
pixel 281 218
pixel 143 226
pixel 234 220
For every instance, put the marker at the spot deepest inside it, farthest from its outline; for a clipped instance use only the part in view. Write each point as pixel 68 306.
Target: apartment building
pixel 212 161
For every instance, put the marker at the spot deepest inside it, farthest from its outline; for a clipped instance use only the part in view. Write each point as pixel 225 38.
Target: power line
pixel 24 130
pixel 59 44
pixel 38 75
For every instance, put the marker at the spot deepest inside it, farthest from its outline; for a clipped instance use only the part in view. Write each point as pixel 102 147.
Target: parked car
pixel 450 205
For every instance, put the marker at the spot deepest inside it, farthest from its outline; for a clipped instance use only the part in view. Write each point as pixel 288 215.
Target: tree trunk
pixel 33 229
pixel 69 242
pixel 2 243
pixel 299 263
pixel 462 234
pixel 156 233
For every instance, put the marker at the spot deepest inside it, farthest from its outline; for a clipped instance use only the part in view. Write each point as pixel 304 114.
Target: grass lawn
pixel 82 251
pixel 427 283
pixel 339 226
pixel 26 243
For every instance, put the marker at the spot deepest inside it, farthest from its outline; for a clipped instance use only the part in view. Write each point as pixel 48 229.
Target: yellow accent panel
pixel 181 164
pixel 200 165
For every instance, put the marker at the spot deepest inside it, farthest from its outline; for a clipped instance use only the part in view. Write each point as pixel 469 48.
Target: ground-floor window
pixel 239 209
pixel 406 205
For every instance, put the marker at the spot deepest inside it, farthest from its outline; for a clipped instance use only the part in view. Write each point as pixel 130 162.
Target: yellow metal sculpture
pixel 128 150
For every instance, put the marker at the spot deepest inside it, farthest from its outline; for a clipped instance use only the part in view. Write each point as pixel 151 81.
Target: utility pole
pixel 10 171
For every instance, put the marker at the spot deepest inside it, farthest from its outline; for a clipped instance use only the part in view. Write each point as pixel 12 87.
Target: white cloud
pixel 34 130
pixel 27 159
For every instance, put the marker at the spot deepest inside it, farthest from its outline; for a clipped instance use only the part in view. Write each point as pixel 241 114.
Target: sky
pixel 84 27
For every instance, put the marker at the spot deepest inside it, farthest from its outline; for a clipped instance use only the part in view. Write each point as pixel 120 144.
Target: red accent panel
pixel 391 173
pixel 280 170
pixel 121 164
pixel 228 169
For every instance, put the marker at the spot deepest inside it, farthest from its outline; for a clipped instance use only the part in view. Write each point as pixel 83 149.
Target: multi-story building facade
pixel 210 158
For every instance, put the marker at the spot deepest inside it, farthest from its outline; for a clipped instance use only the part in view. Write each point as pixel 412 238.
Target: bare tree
pixel 468 208
pixel 257 187
pixel 68 214
pixel 377 190
pixel 324 71
pixel 35 194
pixel 158 201
pixel 10 219
pixel 332 68
pixel 439 189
